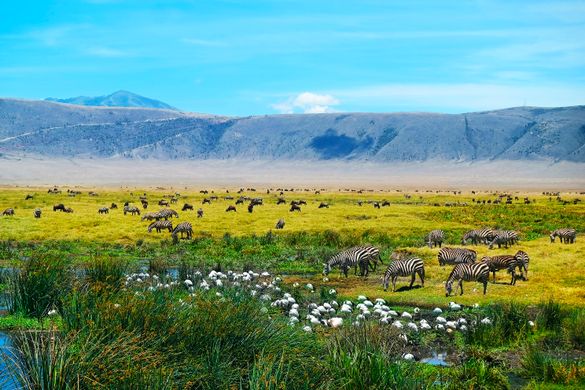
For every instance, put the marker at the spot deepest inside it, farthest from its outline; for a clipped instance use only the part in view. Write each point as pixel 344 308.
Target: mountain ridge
pixel 68 131
pixel 120 98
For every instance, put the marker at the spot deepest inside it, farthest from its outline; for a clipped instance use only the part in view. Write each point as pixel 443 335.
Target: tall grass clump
pixel 574 328
pixel 540 366
pixel 509 325
pixel 39 285
pixel 477 374
pixel 107 271
pixel 550 316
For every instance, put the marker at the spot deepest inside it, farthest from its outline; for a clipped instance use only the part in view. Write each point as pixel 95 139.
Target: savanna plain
pixel 95 300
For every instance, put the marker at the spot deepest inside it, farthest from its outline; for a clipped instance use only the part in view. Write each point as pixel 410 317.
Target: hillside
pixel 66 131
pixel 116 99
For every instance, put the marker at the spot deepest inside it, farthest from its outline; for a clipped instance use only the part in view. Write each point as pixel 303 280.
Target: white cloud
pixel 308 103
pixel 101 51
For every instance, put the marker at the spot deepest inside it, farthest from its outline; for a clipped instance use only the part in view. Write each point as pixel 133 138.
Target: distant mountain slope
pixel 524 133
pixel 116 99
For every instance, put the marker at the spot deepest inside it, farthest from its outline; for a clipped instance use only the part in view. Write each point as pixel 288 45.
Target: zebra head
pixel 326 269
pixel 552 236
pixel 448 287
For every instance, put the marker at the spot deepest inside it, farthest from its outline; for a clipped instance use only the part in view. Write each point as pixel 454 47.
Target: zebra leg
pixel 484 287
pixel 394 278
pixel 412 280
pixel 461 286
pixel 421 274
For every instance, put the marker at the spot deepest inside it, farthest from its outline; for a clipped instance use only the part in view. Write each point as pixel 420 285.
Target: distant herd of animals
pixel 366 257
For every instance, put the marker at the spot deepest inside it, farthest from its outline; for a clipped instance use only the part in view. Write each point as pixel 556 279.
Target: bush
pixel 509 325
pixel 39 285
pixel 540 366
pixel 107 271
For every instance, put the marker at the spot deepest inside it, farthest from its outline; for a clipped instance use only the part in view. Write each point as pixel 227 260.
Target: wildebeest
pixel 113 206
pixel 103 210
pixel 230 208
pixel 206 200
pixel 37 213
pixel 323 205
pixel 59 207
pixel 200 213
pixel 251 207
pixel 280 201
pixel 163 202
pixel 295 207
pixel 9 211
pixel 28 196
pixel 186 207
pixel 280 224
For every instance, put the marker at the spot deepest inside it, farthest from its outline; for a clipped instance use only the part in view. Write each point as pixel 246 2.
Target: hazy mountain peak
pixel 119 98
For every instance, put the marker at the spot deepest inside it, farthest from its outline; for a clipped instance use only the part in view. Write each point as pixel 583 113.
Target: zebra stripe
pixel 504 237
pixel 479 272
pixel 160 225
pixel 183 228
pixel 480 236
pixel 496 263
pixel 456 256
pixel 565 235
pixel 131 209
pixel 407 267
pixel 37 213
pixel 352 257
pixel 522 261
pixel 435 238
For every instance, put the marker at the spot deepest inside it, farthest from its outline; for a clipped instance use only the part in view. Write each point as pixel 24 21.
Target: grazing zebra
pixel 435 238
pixel 150 216
pixel 183 228
pixel 59 207
pixel 280 224
pixel 132 210
pixel 376 205
pixel 522 261
pixel 295 207
pixel 103 210
pixel 186 207
pixel 37 213
pixel 68 210
pixel 406 267
pixel 480 236
pixel 479 272
pixel 230 208
pixel 113 206
pixel 496 263
pixel 163 202
pixel 352 257
pixel 456 256
pixel 323 205
pixel 200 213
pixel 565 235
pixel 9 211
pixel 504 237
pixel 160 225
pixel 167 213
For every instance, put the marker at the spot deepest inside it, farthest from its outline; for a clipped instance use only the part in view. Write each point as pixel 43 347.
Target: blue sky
pixel 261 57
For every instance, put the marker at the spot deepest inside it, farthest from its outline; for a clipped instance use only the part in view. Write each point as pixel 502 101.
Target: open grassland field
pixel 114 306
pixel 240 239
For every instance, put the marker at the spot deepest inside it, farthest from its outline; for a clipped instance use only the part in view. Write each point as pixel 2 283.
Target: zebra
pixel 456 256
pixel 186 207
pixel 9 211
pixel 132 210
pixel 479 272
pixel 352 257
pixel 504 237
pixel 406 267
pixel 478 236
pixel 200 213
pixel 183 228
pixel 168 213
pixel 163 202
pixel 150 216
pixel 37 213
pixel 496 263
pixel 435 238
pixel 68 210
pixel 522 261
pixel 565 235
pixel 280 224
pixel 160 225
pixel 103 210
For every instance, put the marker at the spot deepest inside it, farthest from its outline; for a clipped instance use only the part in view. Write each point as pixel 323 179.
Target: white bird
pixel 397 324
pixel 335 322
pixel 437 310
pixel 404 337
pixel 439 327
pixel 425 326
pixel 463 328
pixel 188 283
pixel 462 321
pixel 332 291
pixel 368 303
pixel 407 315
pixel 486 321
pixel 293 320
pixel 416 310
pixel 408 356
pixel 441 320
pixel 361 298
pixel 531 323
pixel 380 301
pixel 451 324
pixel 293 313
pixel 309 286
pixel 393 313
pixel 307 329
pixel 412 326
pixel 295 285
